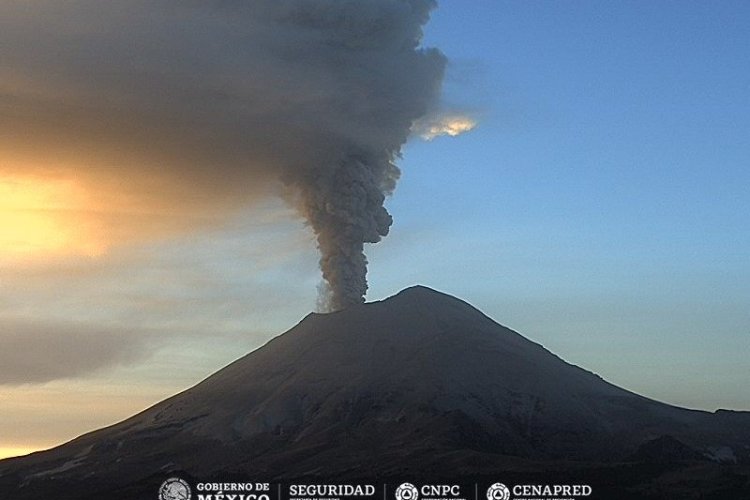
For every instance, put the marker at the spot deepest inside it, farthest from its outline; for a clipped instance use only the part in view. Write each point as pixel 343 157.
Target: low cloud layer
pixel 35 352
pixel 188 110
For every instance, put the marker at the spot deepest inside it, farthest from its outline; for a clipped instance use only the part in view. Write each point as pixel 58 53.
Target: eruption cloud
pixel 208 104
pixel 345 208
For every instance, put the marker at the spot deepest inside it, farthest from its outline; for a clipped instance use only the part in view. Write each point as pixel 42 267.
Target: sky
pixel 599 206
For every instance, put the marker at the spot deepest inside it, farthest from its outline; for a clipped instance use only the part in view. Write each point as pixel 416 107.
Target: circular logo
pixel 407 491
pixel 498 491
pixel 174 488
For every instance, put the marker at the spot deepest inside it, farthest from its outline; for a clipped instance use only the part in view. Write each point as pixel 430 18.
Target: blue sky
pixel 600 208
pixel 601 205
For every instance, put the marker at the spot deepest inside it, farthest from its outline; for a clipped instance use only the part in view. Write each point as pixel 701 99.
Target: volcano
pixel 421 385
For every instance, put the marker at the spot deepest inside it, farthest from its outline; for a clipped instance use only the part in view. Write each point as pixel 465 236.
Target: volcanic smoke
pixel 211 104
pixel 390 83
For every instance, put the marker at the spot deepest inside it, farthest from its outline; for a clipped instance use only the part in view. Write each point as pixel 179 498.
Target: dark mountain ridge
pixel 419 385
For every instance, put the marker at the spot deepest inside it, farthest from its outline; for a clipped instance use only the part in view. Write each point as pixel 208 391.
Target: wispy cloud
pixel 451 124
pixel 75 317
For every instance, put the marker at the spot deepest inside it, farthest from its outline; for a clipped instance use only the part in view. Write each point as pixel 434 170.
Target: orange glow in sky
pixel 7 452
pixel 41 217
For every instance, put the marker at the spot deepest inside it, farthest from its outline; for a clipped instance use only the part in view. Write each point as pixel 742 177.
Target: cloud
pixel 172 114
pixel 77 317
pixel 437 124
pixel 40 351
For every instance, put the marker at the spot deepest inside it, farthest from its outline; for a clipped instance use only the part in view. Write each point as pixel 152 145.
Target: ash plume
pixel 208 105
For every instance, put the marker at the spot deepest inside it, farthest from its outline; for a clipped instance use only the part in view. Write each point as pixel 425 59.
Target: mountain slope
pixel 420 383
